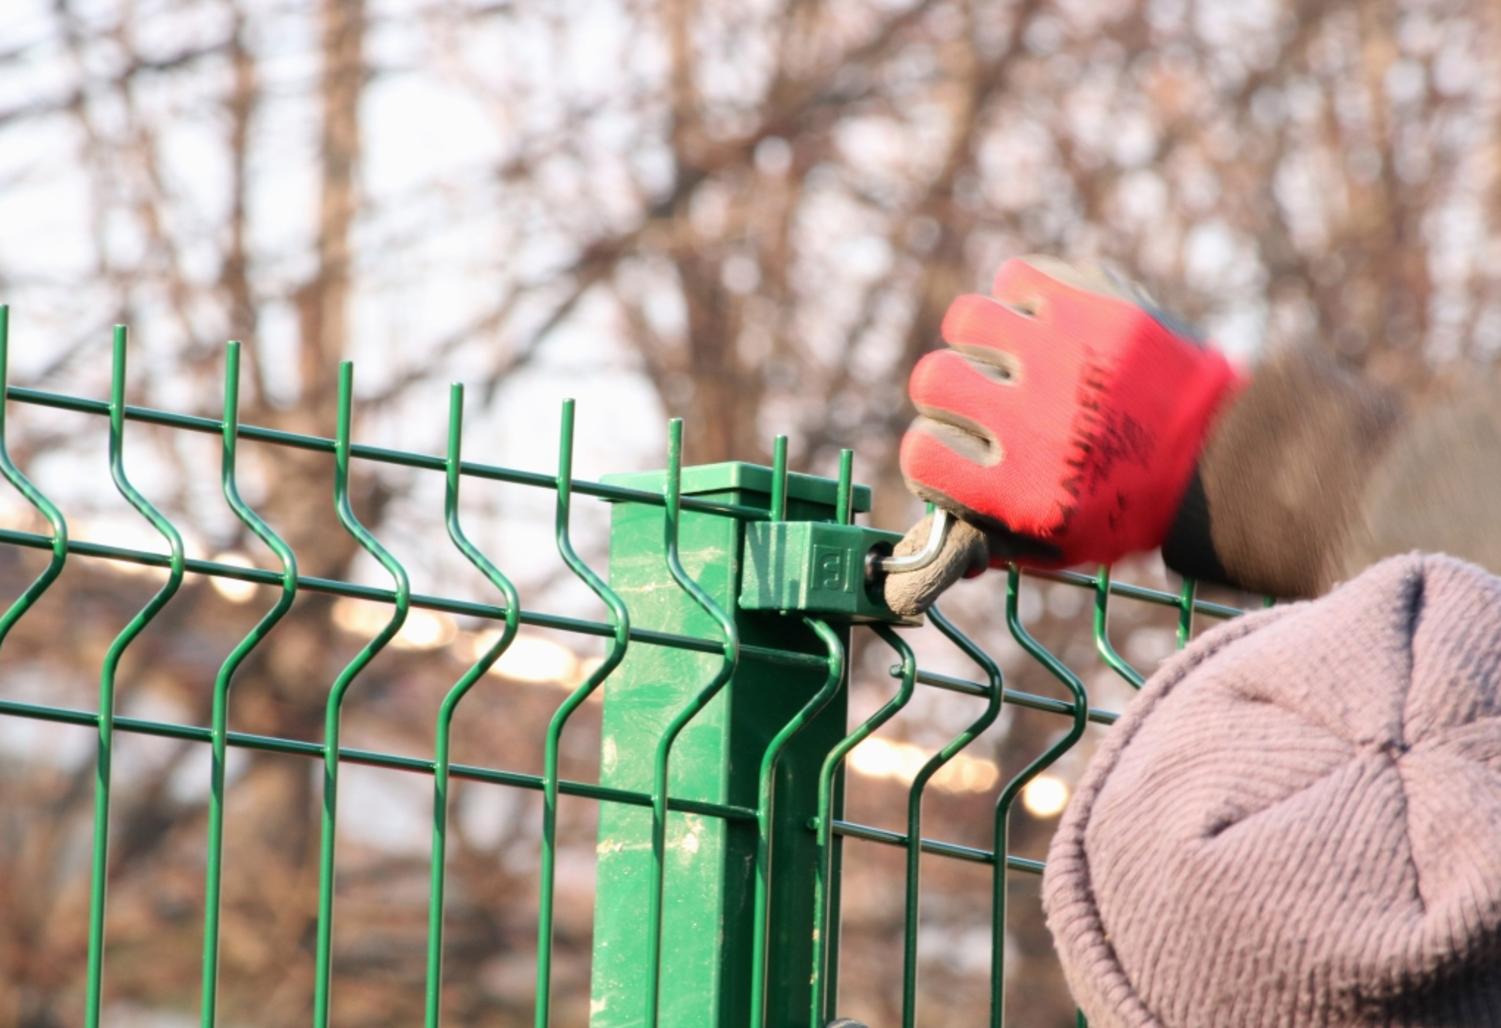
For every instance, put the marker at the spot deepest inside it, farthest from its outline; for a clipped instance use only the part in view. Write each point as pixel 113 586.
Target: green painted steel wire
pixel 1013 789
pixel 937 847
pixel 1186 612
pixel 766 786
pixel 443 731
pixel 843 514
pixel 261 576
pixel 1137 592
pixel 844 496
pixel 374 758
pixel 1031 701
pixel 914 803
pixel 219 718
pixel 620 617
pixel 308 583
pixel 823 928
pixel 730 658
pixel 778 505
pixel 34 496
pixel 835 901
pixel 1102 631
pixel 766 782
pixel 379 454
pixel 98 872
pixel 368 542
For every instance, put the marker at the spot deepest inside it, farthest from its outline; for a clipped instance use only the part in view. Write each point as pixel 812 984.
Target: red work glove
pixel 1064 419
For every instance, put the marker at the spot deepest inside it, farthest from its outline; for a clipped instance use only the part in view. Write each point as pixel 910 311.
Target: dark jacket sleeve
pixel 1314 472
pixel 1437 486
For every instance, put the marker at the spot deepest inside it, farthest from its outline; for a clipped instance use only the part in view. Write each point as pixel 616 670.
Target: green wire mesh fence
pixel 725 730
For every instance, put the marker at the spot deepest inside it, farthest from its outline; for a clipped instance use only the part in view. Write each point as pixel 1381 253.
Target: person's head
pixel 1298 822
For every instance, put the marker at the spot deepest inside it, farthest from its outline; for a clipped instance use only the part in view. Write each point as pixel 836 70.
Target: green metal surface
pixel 332 710
pixel 432 998
pixel 725 734
pixel 99 861
pixel 994 697
pixel 620 618
pixel 1013 789
pixel 33 495
pixel 702 968
pixel 219 717
pixel 814 567
pixel 1102 641
pixel 823 961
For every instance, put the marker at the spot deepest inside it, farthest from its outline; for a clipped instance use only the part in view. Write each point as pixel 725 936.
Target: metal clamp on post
pixel 827 568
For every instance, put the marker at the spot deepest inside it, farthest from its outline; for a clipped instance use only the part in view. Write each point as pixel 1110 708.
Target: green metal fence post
pixel 704 975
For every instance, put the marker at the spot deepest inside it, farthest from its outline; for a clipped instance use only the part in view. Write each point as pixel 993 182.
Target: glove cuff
pixel 1189 546
pixel 1204 401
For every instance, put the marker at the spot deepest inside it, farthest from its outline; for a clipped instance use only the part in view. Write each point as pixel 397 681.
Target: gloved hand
pixel 1304 475
pixel 1062 423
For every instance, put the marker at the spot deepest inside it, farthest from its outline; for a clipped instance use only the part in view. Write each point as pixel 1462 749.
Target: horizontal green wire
pixel 1016 696
pixel 495 472
pixel 534 618
pixel 381 454
pixel 937 847
pixel 441 603
pixel 373 758
pixel 1138 592
pixel 581 626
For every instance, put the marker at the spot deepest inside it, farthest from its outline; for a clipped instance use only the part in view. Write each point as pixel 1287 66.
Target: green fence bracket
pixel 816 567
pixel 705 971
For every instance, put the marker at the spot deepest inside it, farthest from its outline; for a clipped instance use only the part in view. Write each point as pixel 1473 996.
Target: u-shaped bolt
pixel 937 535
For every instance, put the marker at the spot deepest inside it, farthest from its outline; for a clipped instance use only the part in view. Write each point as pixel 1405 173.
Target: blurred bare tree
pixel 749 214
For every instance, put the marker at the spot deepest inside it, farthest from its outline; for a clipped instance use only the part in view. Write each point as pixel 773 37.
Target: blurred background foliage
pixel 751 214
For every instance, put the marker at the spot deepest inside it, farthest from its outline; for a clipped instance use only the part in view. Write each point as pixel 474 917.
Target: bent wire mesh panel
pixel 679 847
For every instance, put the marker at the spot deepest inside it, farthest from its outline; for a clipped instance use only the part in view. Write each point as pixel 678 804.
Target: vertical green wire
pixel 778 510
pixel 1102 631
pixel 1186 612
pixel 844 498
pixel 219 719
pixel 731 651
pixel 1014 788
pixel 914 803
pixel 766 786
pixel 336 695
pixel 765 780
pixel 823 871
pixel 443 732
pixel 100 859
pixel 44 506
pixel 620 622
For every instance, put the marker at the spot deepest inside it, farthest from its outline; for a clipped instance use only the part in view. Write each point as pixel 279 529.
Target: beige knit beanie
pixel 1298 822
